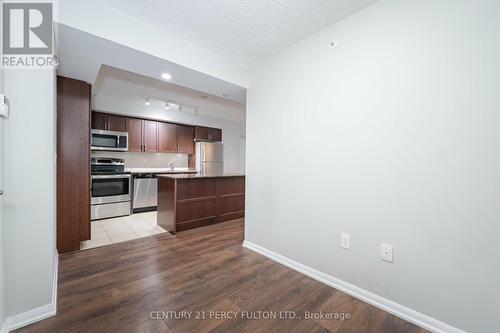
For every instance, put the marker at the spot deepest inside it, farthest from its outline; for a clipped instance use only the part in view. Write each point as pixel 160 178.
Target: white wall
pixel 29 184
pixel 403 122
pixel 232 132
pixel 2 293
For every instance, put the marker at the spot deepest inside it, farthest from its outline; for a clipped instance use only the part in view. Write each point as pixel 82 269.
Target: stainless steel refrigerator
pixel 210 158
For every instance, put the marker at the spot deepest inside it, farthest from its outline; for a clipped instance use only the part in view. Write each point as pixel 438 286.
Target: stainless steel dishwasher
pixel 145 192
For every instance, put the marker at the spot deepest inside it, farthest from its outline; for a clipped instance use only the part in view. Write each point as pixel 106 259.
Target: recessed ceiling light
pixel 166 76
pixel 147 102
pixel 167 105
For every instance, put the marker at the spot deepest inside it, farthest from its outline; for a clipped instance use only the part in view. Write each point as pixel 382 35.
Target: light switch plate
pixel 345 241
pixel 386 252
pixel 4 106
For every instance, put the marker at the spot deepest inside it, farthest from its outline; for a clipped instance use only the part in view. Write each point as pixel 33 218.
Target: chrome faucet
pixel 172 165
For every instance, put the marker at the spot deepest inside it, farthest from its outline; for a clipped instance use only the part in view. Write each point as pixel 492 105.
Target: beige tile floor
pixel 120 229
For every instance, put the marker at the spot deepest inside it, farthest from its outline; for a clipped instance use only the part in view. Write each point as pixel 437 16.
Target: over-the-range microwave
pixel 109 140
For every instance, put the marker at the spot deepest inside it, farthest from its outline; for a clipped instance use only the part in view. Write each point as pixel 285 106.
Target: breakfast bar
pixel 189 201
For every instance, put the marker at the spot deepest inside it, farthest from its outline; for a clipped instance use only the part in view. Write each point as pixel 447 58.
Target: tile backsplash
pixel 146 160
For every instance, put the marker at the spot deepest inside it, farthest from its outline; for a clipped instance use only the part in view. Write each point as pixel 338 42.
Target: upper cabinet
pixel 142 135
pixel 98 120
pixel 207 134
pixel 135 134
pixel 155 136
pixel 185 139
pixel 166 138
pixel 117 123
pixel 109 122
pixel 150 136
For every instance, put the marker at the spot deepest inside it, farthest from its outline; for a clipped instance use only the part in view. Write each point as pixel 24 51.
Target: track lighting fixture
pixel 170 104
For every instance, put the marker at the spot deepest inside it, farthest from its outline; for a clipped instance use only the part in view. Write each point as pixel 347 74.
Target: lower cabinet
pixel 231 198
pixel 189 203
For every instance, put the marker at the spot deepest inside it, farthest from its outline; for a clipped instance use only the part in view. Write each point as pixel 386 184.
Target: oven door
pixel 110 188
pixel 109 140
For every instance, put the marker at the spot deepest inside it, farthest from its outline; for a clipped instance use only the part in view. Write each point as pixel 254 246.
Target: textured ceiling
pixel 248 31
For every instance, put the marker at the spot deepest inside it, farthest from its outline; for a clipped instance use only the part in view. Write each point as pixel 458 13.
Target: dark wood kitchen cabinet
pixel 202 133
pixel 142 135
pixel 134 134
pixel 185 139
pixel 98 120
pixel 146 135
pixel 109 122
pixel 187 202
pixel 117 123
pixel 150 136
pixel 166 138
pixel 73 163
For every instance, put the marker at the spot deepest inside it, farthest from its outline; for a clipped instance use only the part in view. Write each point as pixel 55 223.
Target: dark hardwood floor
pixel 116 288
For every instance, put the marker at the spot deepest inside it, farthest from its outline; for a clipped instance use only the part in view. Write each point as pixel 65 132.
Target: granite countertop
pixel 199 175
pixel 161 170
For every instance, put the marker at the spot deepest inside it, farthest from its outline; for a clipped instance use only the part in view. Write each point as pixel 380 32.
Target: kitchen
pixel 134 150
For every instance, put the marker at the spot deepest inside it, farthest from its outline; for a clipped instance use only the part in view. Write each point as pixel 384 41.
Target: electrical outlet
pixel 345 241
pixel 386 252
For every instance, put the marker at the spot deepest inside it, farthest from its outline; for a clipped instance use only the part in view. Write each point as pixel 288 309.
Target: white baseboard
pixel 36 314
pixel 380 302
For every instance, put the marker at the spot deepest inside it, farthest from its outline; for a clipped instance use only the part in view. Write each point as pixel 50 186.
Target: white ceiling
pixel 248 31
pixel 117 90
pixel 82 54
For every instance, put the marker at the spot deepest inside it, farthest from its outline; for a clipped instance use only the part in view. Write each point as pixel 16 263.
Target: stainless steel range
pixel 111 188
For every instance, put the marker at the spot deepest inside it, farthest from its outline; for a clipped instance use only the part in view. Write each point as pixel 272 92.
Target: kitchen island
pixel 187 201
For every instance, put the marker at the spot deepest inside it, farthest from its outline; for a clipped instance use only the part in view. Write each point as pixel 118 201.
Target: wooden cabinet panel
pixel 185 139
pixel 134 134
pixel 73 163
pixel 194 202
pixel 197 209
pixel 203 133
pixel 98 121
pixel 231 198
pixel 215 134
pixel 196 188
pixel 232 185
pixel 155 136
pixel 200 133
pixel 166 138
pixel 232 203
pixel 116 123
pixel 109 122
pixel 150 136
